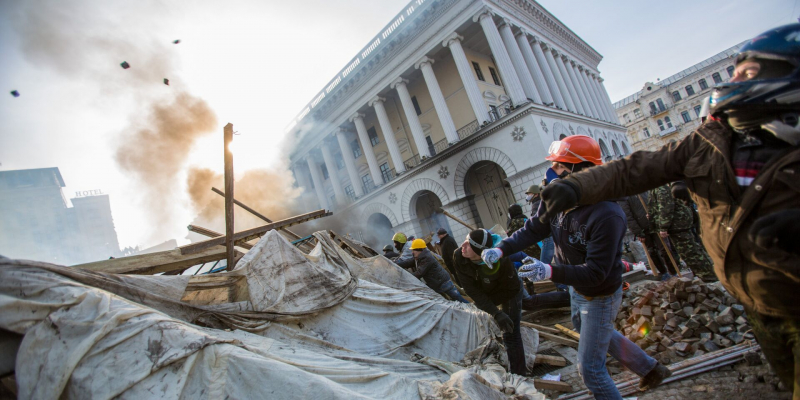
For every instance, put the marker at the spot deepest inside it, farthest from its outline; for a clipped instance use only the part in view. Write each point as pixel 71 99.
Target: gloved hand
pixel 528 260
pixel 780 229
pixel 490 256
pixel 560 195
pixel 505 322
pixel 536 271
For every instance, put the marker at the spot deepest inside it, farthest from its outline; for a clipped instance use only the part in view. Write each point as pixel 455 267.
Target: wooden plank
pixel 544 287
pixel 568 332
pixel 552 385
pixel 153 263
pixel 540 328
pixel 454 218
pixel 355 246
pixel 253 233
pixel 209 233
pixel 291 235
pixel 558 339
pixel 555 361
pixel 229 230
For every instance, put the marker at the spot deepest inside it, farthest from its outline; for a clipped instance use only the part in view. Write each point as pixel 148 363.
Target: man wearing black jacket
pixel 449 246
pixel 424 265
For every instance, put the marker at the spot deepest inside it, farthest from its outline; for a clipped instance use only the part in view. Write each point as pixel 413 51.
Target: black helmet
pixel 388 247
pixel 771 100
pixel 514 210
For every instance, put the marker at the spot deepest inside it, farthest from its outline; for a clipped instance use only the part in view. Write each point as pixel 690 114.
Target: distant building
pixel 452 105
pixel 35 222
pixel 669 110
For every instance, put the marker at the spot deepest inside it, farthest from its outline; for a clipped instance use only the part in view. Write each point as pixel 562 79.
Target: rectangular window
pixel 676 96
pixel 348 190
pixel 356 149
pixel 366 180
pixel 661 106
pixel 703 84
pixel 730 71
pixel 646 132
pixel 689 90
pixel 653 108
pixel 715 76
pixel 626 118
pixel 373 136
pixel 478 71
pixel 339 161
pixel 637 113
pixel 431 149
pixel 387 175
pixel 416 105
pixel 660 125
pixel 495 78
pixel 697 110
pixel 325 175
pixel 686 117
pixel 668 121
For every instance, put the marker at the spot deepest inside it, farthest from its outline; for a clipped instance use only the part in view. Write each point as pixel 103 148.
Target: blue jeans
pixel 513 341
pixel 449 289
pixel 548 250
pixel 517 257
pixel 594 320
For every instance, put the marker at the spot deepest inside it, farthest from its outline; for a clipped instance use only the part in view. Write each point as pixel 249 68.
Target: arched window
pixel 730 71
pixel 715 76
pixel 660 125
pixel 668 121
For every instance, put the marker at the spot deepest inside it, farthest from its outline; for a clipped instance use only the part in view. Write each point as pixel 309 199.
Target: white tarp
pixel 324 325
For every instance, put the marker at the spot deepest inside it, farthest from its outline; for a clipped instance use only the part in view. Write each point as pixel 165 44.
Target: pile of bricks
pixel 681 318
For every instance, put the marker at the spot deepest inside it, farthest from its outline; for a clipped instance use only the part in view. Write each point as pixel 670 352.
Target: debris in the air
pixel 15 93
pixel 166 81
pixel 176 41
pixel 125 65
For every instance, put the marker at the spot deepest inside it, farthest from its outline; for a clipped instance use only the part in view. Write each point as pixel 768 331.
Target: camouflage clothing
pixel 517 222
pixel 694 255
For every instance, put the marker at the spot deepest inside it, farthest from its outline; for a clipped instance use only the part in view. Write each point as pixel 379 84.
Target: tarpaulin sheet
pixel 281 325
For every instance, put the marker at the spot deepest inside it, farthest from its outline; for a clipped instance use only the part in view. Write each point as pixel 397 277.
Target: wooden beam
pixel 540 328
pixel 552 385
pixel 293 235
pixel 558 339
pixel 454 218
pixel 360 250
pixel 253 233
pixel 555 361
pixel 153 263
pixel 209 233
pixel 568 332
pixel 229 230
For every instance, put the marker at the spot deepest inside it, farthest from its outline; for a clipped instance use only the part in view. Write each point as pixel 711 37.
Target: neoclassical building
pixel 451 106
pixel 669 109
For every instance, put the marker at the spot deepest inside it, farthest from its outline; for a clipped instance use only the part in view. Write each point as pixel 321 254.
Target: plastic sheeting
pixel 281 325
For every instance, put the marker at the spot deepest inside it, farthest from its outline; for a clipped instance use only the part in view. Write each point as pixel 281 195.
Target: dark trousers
pixel 544 301
pixel 655 247
pixel 513 341
pixel 779 339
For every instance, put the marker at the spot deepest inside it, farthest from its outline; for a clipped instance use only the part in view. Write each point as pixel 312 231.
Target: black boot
pixel 654 377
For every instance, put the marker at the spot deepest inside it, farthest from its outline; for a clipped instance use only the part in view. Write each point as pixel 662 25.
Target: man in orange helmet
pixel 588 257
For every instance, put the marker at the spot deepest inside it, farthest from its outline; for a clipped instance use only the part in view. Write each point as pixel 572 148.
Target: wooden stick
pixel 210 233
pixel 254 212
pixel 555 361
pixel 229 230
pixel 558 339
pixel 360 250
pixel 669 254
pixel 454 218
pixel 552 385
pixel 540 328
pixel 568 332
pixel 253 233
pixel 153 263
pixel 646 251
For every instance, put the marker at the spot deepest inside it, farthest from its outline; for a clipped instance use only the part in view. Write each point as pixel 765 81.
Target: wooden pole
pixel 212 234
pixel 454 218
pixel 646 251
pixel 228 138
pixel 254 212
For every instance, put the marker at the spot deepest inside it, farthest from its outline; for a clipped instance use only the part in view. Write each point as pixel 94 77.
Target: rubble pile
pixel 681 318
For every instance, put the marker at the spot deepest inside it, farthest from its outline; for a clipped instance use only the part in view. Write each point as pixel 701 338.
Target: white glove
pixel 536 271
pixel 490 256
pixel 528 260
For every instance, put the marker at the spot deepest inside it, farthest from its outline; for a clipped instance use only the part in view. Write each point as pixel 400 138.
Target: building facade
pixel 452 106
pixel 669 109
pixel 38 225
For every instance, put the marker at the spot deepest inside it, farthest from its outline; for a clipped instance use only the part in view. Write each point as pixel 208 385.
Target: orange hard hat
pixel 575 150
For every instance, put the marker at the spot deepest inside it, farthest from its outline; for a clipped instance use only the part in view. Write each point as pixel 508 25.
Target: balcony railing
pixel 500 111
pixel 468 130
pixel 440 146
pixel 659 110
pixel 412 162
pixel 389 175
pixel 669 131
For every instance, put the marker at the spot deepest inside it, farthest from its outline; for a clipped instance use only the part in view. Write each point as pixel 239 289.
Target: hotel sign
pixel 87 193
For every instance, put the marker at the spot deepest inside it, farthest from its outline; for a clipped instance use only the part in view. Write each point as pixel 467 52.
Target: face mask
pixel 529 198
pixel 550 175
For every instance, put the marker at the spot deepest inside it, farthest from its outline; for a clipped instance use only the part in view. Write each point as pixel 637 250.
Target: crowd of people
pixel 723 203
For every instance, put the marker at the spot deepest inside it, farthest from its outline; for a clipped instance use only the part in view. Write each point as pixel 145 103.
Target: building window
pixel 689 90
pixel 348 190
pixel 626 117
pixel 325 174
pixel 373 136
pixel 730 71
pixel 366 180
pixel 637 113
pixel 686 117
pixel 715 76
pixel 676 96
pixel 646 132
pixel 697 110
pixel 668 121
pixel 416 105
pixel 478 71
pixel 495 78
pixel 431 149
pixel 703 84
pixel 339 161
pixel 660 125
pixel 356 148
pixel 653 108
pixel 661 106
pixel 387 175
pixel 493 114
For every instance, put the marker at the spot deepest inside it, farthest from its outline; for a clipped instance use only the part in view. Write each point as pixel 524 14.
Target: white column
pixel 302 180
pixel 366 145
pixel 411 116
pixel 453 42
pixel 570 87
pixel 593 94
pixel 388 134
pixel 562 87
pixel 518 62
pixel 548 74
pixel 582 85
pixel 317 178
pixel 573 79
pixel 349 161
pixel 599 97
pixel 511 81
pixel 607 98
pixel 426 66
pixel 533 67
pixel 333 174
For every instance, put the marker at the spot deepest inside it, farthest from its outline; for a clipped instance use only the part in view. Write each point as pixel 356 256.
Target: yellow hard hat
pixel 418 244
pixel 399 237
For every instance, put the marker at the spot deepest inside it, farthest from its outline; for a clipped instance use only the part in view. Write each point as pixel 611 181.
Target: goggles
pixel 560 148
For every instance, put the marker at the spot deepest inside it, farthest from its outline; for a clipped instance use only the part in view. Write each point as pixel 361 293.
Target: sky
pixel 255 64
